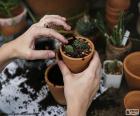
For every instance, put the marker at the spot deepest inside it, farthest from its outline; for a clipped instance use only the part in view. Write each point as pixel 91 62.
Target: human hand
pixel 23 46
pixel 80 88
pixel 50 21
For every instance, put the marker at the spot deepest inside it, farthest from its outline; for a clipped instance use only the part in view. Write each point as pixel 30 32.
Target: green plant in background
pixel 117 34
pixel 6 6
pixel 85 25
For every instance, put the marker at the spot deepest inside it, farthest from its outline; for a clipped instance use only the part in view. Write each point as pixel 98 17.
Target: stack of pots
pixel 113 10
pixel 76 65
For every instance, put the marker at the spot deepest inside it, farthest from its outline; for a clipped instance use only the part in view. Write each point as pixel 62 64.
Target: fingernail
pixel 66 41
pixel 63 18
pixel 69 27
pixel 51 54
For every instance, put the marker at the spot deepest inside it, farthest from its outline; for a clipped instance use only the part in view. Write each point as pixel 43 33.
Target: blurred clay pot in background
pixel 113 52
pixel 15 24
pixel 71 9
pixel 132 70
pixel 54 80
pixel 65 8
pixel 132 100
pixel 113 10
pixel 119 4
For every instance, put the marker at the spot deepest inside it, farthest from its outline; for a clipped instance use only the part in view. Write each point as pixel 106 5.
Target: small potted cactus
pixel 112 72
pixel 118 41
pixel 12 17
pixel 77 53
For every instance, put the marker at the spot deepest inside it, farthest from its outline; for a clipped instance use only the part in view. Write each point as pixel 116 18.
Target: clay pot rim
pixel 23 13
pixel 119 6
pixel 47 80
pixel 76 59
pixel 113 9
pixel 129 94
pixel 125 67
pixel 121 48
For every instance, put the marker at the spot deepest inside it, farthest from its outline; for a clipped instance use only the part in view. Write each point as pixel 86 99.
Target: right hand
pixel 80 88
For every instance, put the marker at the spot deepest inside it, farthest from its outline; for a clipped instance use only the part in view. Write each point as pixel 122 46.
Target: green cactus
pixel 69 49
pixel 76 43
pixel 113 67
pixel 84 46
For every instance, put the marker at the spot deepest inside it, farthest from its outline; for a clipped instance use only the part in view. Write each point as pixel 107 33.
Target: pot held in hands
pixel 78 60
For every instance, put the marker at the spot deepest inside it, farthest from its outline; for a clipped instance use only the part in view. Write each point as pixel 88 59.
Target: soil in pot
pixel 55 76
pixel 76 48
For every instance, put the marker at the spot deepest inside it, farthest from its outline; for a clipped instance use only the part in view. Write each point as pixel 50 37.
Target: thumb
pixel 41 54
pixel 64 70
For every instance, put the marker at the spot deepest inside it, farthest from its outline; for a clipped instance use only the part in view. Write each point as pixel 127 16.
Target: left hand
pixel 23 46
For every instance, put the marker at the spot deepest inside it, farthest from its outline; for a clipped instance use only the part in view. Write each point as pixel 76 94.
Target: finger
pixel 39 31
pixel 94 92
pixel 57 22
pixel 95 62
pixel 40 54
pixel 54 16
pixel 64 69
pixel 99 71
pixel 93 95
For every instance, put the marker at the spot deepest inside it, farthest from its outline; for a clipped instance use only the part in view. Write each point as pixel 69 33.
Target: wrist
pixel 76 109
pixel 9 50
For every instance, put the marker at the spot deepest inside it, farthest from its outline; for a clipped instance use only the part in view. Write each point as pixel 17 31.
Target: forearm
pixel 6 55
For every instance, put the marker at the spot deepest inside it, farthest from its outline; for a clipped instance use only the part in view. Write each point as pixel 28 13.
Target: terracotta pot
pixel 121 4
pixel 113 10
pixel 132 100
pixel 57 91
pixel 113 52
pixel 77 65
pixel 111 21
pixel 65 8
pixel 135 44
pixel 132 70
pixel 11 26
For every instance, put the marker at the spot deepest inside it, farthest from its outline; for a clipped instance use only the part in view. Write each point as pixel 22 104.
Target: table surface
pixel 23 90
